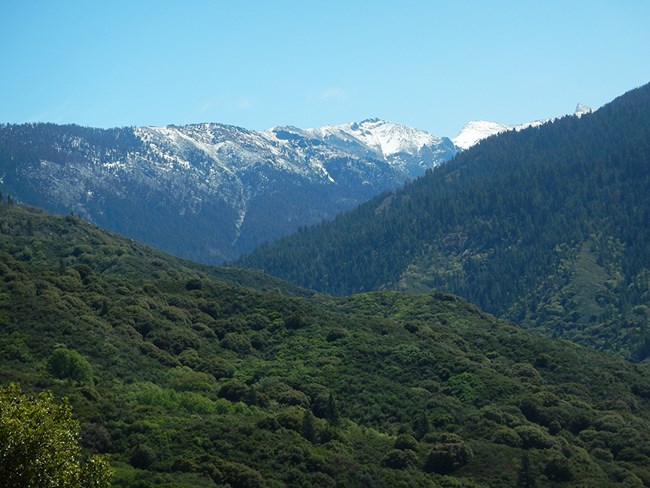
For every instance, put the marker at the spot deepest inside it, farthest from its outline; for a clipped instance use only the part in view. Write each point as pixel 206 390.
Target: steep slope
pixel 517 224
pixel 209 191
pixel 187 379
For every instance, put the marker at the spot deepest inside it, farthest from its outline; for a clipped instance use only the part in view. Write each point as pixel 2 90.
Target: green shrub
pixel 193 284
pixel 324 406
pixel 467 387
pixel 533 437
pixel 289 396
pixel 405 441
pixel 291 418
pixel 196 403
pixel 183 378
pixel 234 391
pixel 237 342
pixel 240 476
pixel 336 333
pixel 257 321
pixel 602 454
pixel 154 395
pixel 69 364
pixel 216 366
pixel 14 347
pixel 557 468
pixel 175 340
pixel 95 437
pixel 421 425
pixel 446 457
pixel 399 459
pixel 142 456
pixel 506 436
pixel 190 358
pixel 308 426
pixel 296 321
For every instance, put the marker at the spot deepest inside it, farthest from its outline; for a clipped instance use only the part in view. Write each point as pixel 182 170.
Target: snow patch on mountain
pixel 477 130
pixel 382 137
pixel 409 150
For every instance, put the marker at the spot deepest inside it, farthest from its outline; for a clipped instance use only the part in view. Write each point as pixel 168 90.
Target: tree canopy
pixel 39 444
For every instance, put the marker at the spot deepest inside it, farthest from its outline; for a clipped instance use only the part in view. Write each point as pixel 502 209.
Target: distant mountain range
pixel 210 191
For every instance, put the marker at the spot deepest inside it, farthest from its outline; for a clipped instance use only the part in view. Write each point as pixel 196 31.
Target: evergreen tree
pixel 525 478
pixel 309 426
pixel 332 413
pixel 421 425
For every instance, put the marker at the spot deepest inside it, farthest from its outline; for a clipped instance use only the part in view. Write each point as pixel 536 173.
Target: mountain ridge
pixel 211 191
pixel 234 187
pixel 476 130
pixel 515 224
pixel 407 148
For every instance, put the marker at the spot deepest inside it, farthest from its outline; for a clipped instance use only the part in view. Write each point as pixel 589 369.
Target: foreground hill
pixel 547 226
pixel 210 191
pixel 186 377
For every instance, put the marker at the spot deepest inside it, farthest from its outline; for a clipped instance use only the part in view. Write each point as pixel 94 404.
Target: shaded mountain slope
pixel 514 224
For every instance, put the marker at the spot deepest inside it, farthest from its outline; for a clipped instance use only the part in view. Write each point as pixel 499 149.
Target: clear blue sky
pixel 431 64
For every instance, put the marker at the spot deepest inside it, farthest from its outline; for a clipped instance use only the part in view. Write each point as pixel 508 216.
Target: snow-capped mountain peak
pixel 385 138
pixel 409 150
pixel 477 130
pixel 582 109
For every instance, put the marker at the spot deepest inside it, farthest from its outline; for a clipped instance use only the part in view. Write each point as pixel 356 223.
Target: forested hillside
pixel 547 227
pixel 190 376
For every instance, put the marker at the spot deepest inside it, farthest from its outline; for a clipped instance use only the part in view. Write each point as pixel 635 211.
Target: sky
pixel 429 64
